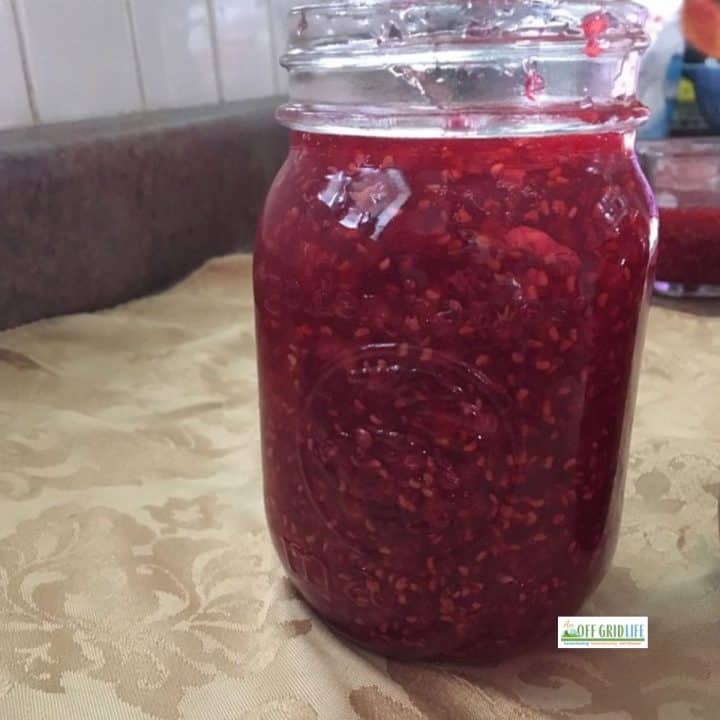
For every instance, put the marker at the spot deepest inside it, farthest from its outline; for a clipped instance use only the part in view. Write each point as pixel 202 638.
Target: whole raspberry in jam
pixel 447 339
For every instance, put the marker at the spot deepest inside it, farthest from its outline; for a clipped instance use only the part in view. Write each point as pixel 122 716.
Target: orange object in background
pixel 701 25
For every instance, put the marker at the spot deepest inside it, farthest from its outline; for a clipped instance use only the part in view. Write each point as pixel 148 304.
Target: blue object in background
pixel 658 126
pixel 706 79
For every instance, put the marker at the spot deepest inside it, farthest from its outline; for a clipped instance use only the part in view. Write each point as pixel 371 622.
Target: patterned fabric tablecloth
pixel 137 581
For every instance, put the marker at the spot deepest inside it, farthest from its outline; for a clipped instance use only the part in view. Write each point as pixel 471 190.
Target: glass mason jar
pixel 685 174
pixel 451 277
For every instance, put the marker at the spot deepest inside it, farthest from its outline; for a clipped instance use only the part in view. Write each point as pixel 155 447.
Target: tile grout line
pixel 136 53
pixel 273 45
pixel 215 45
pixel 24 63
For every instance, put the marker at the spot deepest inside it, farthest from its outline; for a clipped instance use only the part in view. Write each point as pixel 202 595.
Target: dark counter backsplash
pixel 96 213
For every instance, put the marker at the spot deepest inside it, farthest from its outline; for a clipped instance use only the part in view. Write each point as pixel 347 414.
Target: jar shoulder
pixel 424 195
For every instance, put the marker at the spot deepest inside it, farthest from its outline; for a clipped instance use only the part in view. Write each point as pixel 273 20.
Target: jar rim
pixel 378 31
pixel 464 68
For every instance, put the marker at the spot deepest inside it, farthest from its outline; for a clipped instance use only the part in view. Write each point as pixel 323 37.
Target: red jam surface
pixel 689 251
pixel 447 336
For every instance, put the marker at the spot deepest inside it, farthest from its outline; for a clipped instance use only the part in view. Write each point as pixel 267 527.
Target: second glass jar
pixel 685 175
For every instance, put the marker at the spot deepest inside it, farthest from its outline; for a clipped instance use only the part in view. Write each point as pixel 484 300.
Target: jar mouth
pixel 372 32
pixel 464 67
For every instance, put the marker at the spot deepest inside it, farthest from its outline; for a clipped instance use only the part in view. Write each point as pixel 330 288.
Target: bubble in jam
pixel 448 334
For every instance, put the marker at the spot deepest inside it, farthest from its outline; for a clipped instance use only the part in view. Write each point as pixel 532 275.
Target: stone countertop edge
pixel 98 212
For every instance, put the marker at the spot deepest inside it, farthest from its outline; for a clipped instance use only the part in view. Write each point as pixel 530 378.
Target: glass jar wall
pixel 450 299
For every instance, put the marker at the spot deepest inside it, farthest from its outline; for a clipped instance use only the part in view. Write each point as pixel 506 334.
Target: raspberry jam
pixel 448 335
pixel 689 253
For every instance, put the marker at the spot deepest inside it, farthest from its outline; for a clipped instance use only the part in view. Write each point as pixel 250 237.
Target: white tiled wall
pixel 14 100
pixel 71 59
pixel 237 26
pixel 175 52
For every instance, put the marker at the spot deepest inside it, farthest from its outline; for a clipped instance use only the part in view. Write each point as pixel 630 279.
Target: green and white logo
pixel 603 632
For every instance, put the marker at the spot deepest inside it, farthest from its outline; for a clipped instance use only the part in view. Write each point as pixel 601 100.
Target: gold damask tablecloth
pixel 137 581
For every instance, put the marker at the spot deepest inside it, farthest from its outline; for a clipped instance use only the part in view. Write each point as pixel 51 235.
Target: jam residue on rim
pixel 447 336
pixel 594 27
